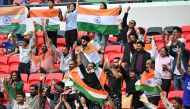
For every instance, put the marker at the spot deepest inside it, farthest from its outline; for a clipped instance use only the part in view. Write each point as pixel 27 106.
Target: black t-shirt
pixel 90 79
pixel 114 83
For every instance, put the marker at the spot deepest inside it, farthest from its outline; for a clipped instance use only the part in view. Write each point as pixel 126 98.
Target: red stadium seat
pixel 56 77
pixel 187 38
pixel 173 94
pixel 24 77
pixel 4 69
pixel 113 49
pixel 34 78
pixel 158 38
pixel 26 88
pixel 3 60
pixel 14 60
pixel 13 68
pixel 187 46
pixel 186 30
pixel 61 42
pixel 1 51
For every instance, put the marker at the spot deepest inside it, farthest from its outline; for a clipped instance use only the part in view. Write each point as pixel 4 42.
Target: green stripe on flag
pixel 103 29
pixel 85 92
pixel 147 88
pixel 49 27
pixel 14 27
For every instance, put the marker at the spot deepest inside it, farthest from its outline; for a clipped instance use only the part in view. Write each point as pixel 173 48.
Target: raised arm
pixel 60 15
pixel 79 58
pixel 62 100
pixel 124 23
pixel 49 41
pixel 181 71
pixel 5 84
pixel 78 3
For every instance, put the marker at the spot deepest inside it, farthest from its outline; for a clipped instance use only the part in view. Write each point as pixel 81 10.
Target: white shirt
pixel 176 71
pixel 25 54
pixel 15 105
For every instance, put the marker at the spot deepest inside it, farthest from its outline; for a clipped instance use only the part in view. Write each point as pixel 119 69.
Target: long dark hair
pixel 17 76
pixel 74 4
pixel 105 6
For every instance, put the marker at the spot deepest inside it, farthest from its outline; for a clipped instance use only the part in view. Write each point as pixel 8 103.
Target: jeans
pixel 102 38
pixel 178 82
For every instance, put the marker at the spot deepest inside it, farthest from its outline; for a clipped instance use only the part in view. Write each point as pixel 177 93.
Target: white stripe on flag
pixel 101 20
pixel 7 20
pixel 96 95
pixel 52 21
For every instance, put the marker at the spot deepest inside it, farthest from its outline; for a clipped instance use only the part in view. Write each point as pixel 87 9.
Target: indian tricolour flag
pixel 91 52
pixel 50 15
pixel 99 21
pixel 146 103
pixel 147 83
pixel 13 19
pixel 95 95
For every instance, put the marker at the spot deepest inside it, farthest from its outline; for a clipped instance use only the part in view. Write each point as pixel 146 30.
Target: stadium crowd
pixel 126 58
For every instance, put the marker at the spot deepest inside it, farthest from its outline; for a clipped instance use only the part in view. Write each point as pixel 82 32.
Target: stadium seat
pixel 187 46
pixel 159 45
pixel 4 69
pixel 13 68
pixel 1 51
pixel 3 60
pixel 154 31
pixel 26 88
pixel 113 49
pixel 186 29
pixel 158 38
pixel 40 42
pixel 187 38
pixel 34 78
pixel 60 49
pixel 61 42
pixel 169 29
pixel 55 76
pixel 173 94
pixel 24 77
pixel 14 60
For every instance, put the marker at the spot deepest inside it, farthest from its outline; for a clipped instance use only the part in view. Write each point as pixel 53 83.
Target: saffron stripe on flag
pixel 44 13
pixel 10 11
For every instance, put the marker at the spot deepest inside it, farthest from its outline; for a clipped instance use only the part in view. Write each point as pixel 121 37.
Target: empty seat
pixel 185 30
pixel 4 69
pixel 14 60
pixel 169 29
pixel 173 94
pixel 187 38
pixel 61 42
pixel 34 78
pixel 154 31
pixel 55 76
pixel 36 1
pixel 13 68
pixel 24 77
pixel 3 60
pixel 113 49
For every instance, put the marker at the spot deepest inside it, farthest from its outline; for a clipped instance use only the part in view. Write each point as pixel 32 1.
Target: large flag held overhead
pixel 99 21
pixel 147 83
pixel 50 15
pixel 95 95
pixel 13 19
